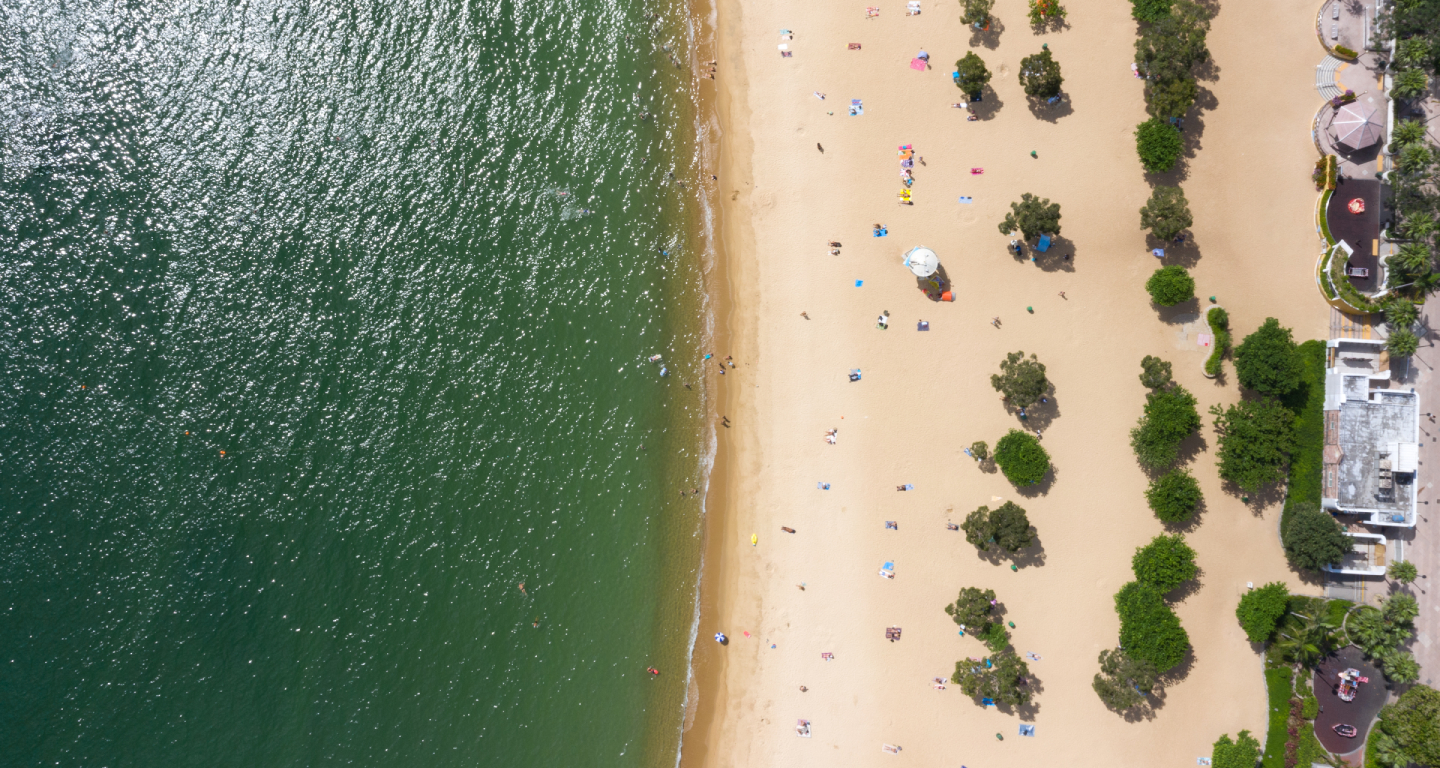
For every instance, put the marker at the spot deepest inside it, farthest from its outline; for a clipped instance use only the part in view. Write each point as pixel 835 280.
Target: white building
pixel 1372 438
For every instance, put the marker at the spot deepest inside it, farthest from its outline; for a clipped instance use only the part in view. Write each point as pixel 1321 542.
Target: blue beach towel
pixel 967 200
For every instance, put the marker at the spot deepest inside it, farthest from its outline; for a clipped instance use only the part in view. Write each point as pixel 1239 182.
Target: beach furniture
pixel 720 637
pixel 802 728
pixel 888 570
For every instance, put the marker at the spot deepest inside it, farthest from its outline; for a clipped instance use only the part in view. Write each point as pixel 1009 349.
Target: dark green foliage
pixel 1400 667
pixel 1165 563
pixel 1122 681
pixel 1154 372
pixel 1171 98
pixel 1261 609
pixel 971 610
pixel 1412 262
pixel 1006 528
pixel 1167 213
pixel 1256 438
pixel 1174 496
pixel 973 74
pixel 1149 630
pixel 1003 680
pixel 1400 313
pixel 994 637
pixel 1159 144
pixel 1168 49
pixel 1021 379
pixel 1169 418
pixel 976 12
pixel 1244 752
pixel 1278 685
pixel 1150 10
pixel 1170 285
pixel 1402 343
pixel 1033 217
pixel 980 450
pixel 1305 639
pixel 1410 84
pixel 1040 74
pixel 1219 321
pixel 1021 458
pixel 1313 539
pixel 1404 571
pixel 1408 731
pixel 1308 403
pixel 1408 132
pixel 1267 361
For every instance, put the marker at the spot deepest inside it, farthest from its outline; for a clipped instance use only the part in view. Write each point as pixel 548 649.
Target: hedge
pixel 1219 321
pixel 1308 404
pixel 1324 224
pixel 1278 683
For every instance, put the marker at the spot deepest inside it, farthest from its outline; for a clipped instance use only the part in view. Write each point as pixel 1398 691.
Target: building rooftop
pixel 1375 432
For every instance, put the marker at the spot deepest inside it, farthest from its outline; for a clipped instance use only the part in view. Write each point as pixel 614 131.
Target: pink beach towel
pixel 917 64
pixel 976 171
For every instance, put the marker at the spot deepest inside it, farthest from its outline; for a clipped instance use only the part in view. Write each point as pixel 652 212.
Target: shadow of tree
pixel 1050 113
pixel 1185 312
pixel 1041 488
pixel 1032 556
pixel 1186 254
pixel 1187 589
pixel 989 37
pixel 988 105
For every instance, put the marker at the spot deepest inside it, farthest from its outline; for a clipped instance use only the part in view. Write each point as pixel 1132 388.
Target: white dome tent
pixel 921 261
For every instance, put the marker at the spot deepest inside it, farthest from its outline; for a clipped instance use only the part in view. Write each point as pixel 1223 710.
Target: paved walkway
pixel 1422 546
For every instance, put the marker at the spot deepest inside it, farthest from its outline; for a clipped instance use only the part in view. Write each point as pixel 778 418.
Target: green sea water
pixel 323 326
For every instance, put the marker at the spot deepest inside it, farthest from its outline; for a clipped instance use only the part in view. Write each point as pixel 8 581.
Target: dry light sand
pixel 925 396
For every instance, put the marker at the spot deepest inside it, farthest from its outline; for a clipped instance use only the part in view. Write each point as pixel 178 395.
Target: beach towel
pixel 976 171
pixel 967 200
pixel 1204 339
pixel 784 46
pixel 1027 730
pixel 987 702
pixel 823 486
pixel 855 109
pixel 917 64
pixel 871 12
pixel 923 325
pixel 854 46
pixel 909 487
pixel 881 232
pixel 859 283
pixel 1158 253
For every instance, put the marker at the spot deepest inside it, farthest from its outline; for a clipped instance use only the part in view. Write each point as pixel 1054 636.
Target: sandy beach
pixel 925 396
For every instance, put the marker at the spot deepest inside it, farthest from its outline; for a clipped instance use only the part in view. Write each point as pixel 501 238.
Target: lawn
pixel 1278 682
pixel 1308 404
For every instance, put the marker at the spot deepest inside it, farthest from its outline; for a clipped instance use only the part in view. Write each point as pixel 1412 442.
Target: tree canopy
pixel 1408 731
pixel 1149 630
pixel 1260 610
pixel 1123 681
pixel 1002 680
pixel 1167 213
pixel 1006 528
pixel 1403 571
pixel 1312 538
pixel 1021 458
pixel 1159 144
pixel 976 12
pixel 1166 53
pixel 1169 418
pixel 1174 496
pixel 972 609
pixel 1154 372
pixel 973 74
pixel 1149 10
pixel 1267 360
pixel 1165 563
pixel 1040 74
pixel 1033 217
pixel 1170 285
pixel 1256 438
pixel 1402 343
pixel 1021 379
pixel 1243 752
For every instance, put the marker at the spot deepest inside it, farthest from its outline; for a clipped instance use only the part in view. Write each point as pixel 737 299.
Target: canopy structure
pixel 1356 126
pixel 922 261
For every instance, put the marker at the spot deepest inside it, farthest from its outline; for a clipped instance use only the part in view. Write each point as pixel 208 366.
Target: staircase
pixel 1325 78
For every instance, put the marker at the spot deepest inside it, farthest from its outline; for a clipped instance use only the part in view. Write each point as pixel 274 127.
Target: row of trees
pixel 1043 13
pixel 1039 75
pixel 1000 677
pixel 1152 641
pixel 1170 46
pixel 1022 383
pixel 1256 437
pixel 1168 419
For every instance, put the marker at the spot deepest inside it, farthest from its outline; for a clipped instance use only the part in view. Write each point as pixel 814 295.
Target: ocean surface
pixel 323 327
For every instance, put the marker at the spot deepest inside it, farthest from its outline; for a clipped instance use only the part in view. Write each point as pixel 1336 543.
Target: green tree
pixel 1260 610
pixel 1400 609
pixel 1244 752
pixel 980 450
pixel 1400 667
pixel 1409 729
pixel 1267 361
pixel 1376 633
pixel 1403 571
pixel 1402 343
pixel 972 609
pixel 1400 313
pixel 1169 418
pixel 1154 372
pixel 1165 563
pixel 973 74
pixel 1122 681
pixel 1033 217
pixel 1150 10
pixel 1167 213
pixel 1000 677
pixel 1170 285
pixel 1414 52
pixel 1408 132
pixel 1007 528
pixel 1159 144
pixel 1174 496
pixel 1256 438
pixel 1040 74
pixel 1312 538
pixel 1045 12
pixel 1415 158
pixel 1308 642
pixel 1410 84
pixel 977 12
pixel 1021 379
pixel 1021 458
pixel 1149 630
pixel 1411 264
pixel 1168 49
pixel 1171 98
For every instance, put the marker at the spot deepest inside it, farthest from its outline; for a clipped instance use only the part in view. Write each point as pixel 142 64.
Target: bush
pixel 1033 217
pixel 1277 683
pixel 1256 438
pixel 1044 12
pixel 1244 752
pixel 1174 496
pixel 1410 84
pixel 1040 74
pixel 1169 418
pixel 1165 563
pixel 1376 633
pixel 1122 681
pixel 1219 321
pixel 979 450
pixel 1149 630
pixel 977 12
pixel 1021 380
pixel 1150 10
pixel 1154 372
pixel 1402 343
pixel 1159 144
pixel 1408 731
pixel 1404 571
pixel 1167 213
pixel 1313 539
pixel 973 74
pixel 1400 667
pixel 1267 361
pixel 1345 53
pixel 971 610
pixel 1400 313
pixel 1170 285
pixel 1022 458
pixel 1007 528
pixel 1260 610
pixel 1002 680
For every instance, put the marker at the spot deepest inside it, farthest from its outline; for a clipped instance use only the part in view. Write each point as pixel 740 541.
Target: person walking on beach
pixel 995 321
pixel 1062 295
pixel 805 315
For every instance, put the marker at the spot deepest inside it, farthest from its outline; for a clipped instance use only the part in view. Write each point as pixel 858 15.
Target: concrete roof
pixel 1367 428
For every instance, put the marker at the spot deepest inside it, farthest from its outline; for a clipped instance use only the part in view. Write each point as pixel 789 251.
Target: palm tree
pixel 1309 642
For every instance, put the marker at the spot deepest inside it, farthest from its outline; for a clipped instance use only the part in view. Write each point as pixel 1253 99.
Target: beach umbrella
pixel 922 261
pixel 1356 126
